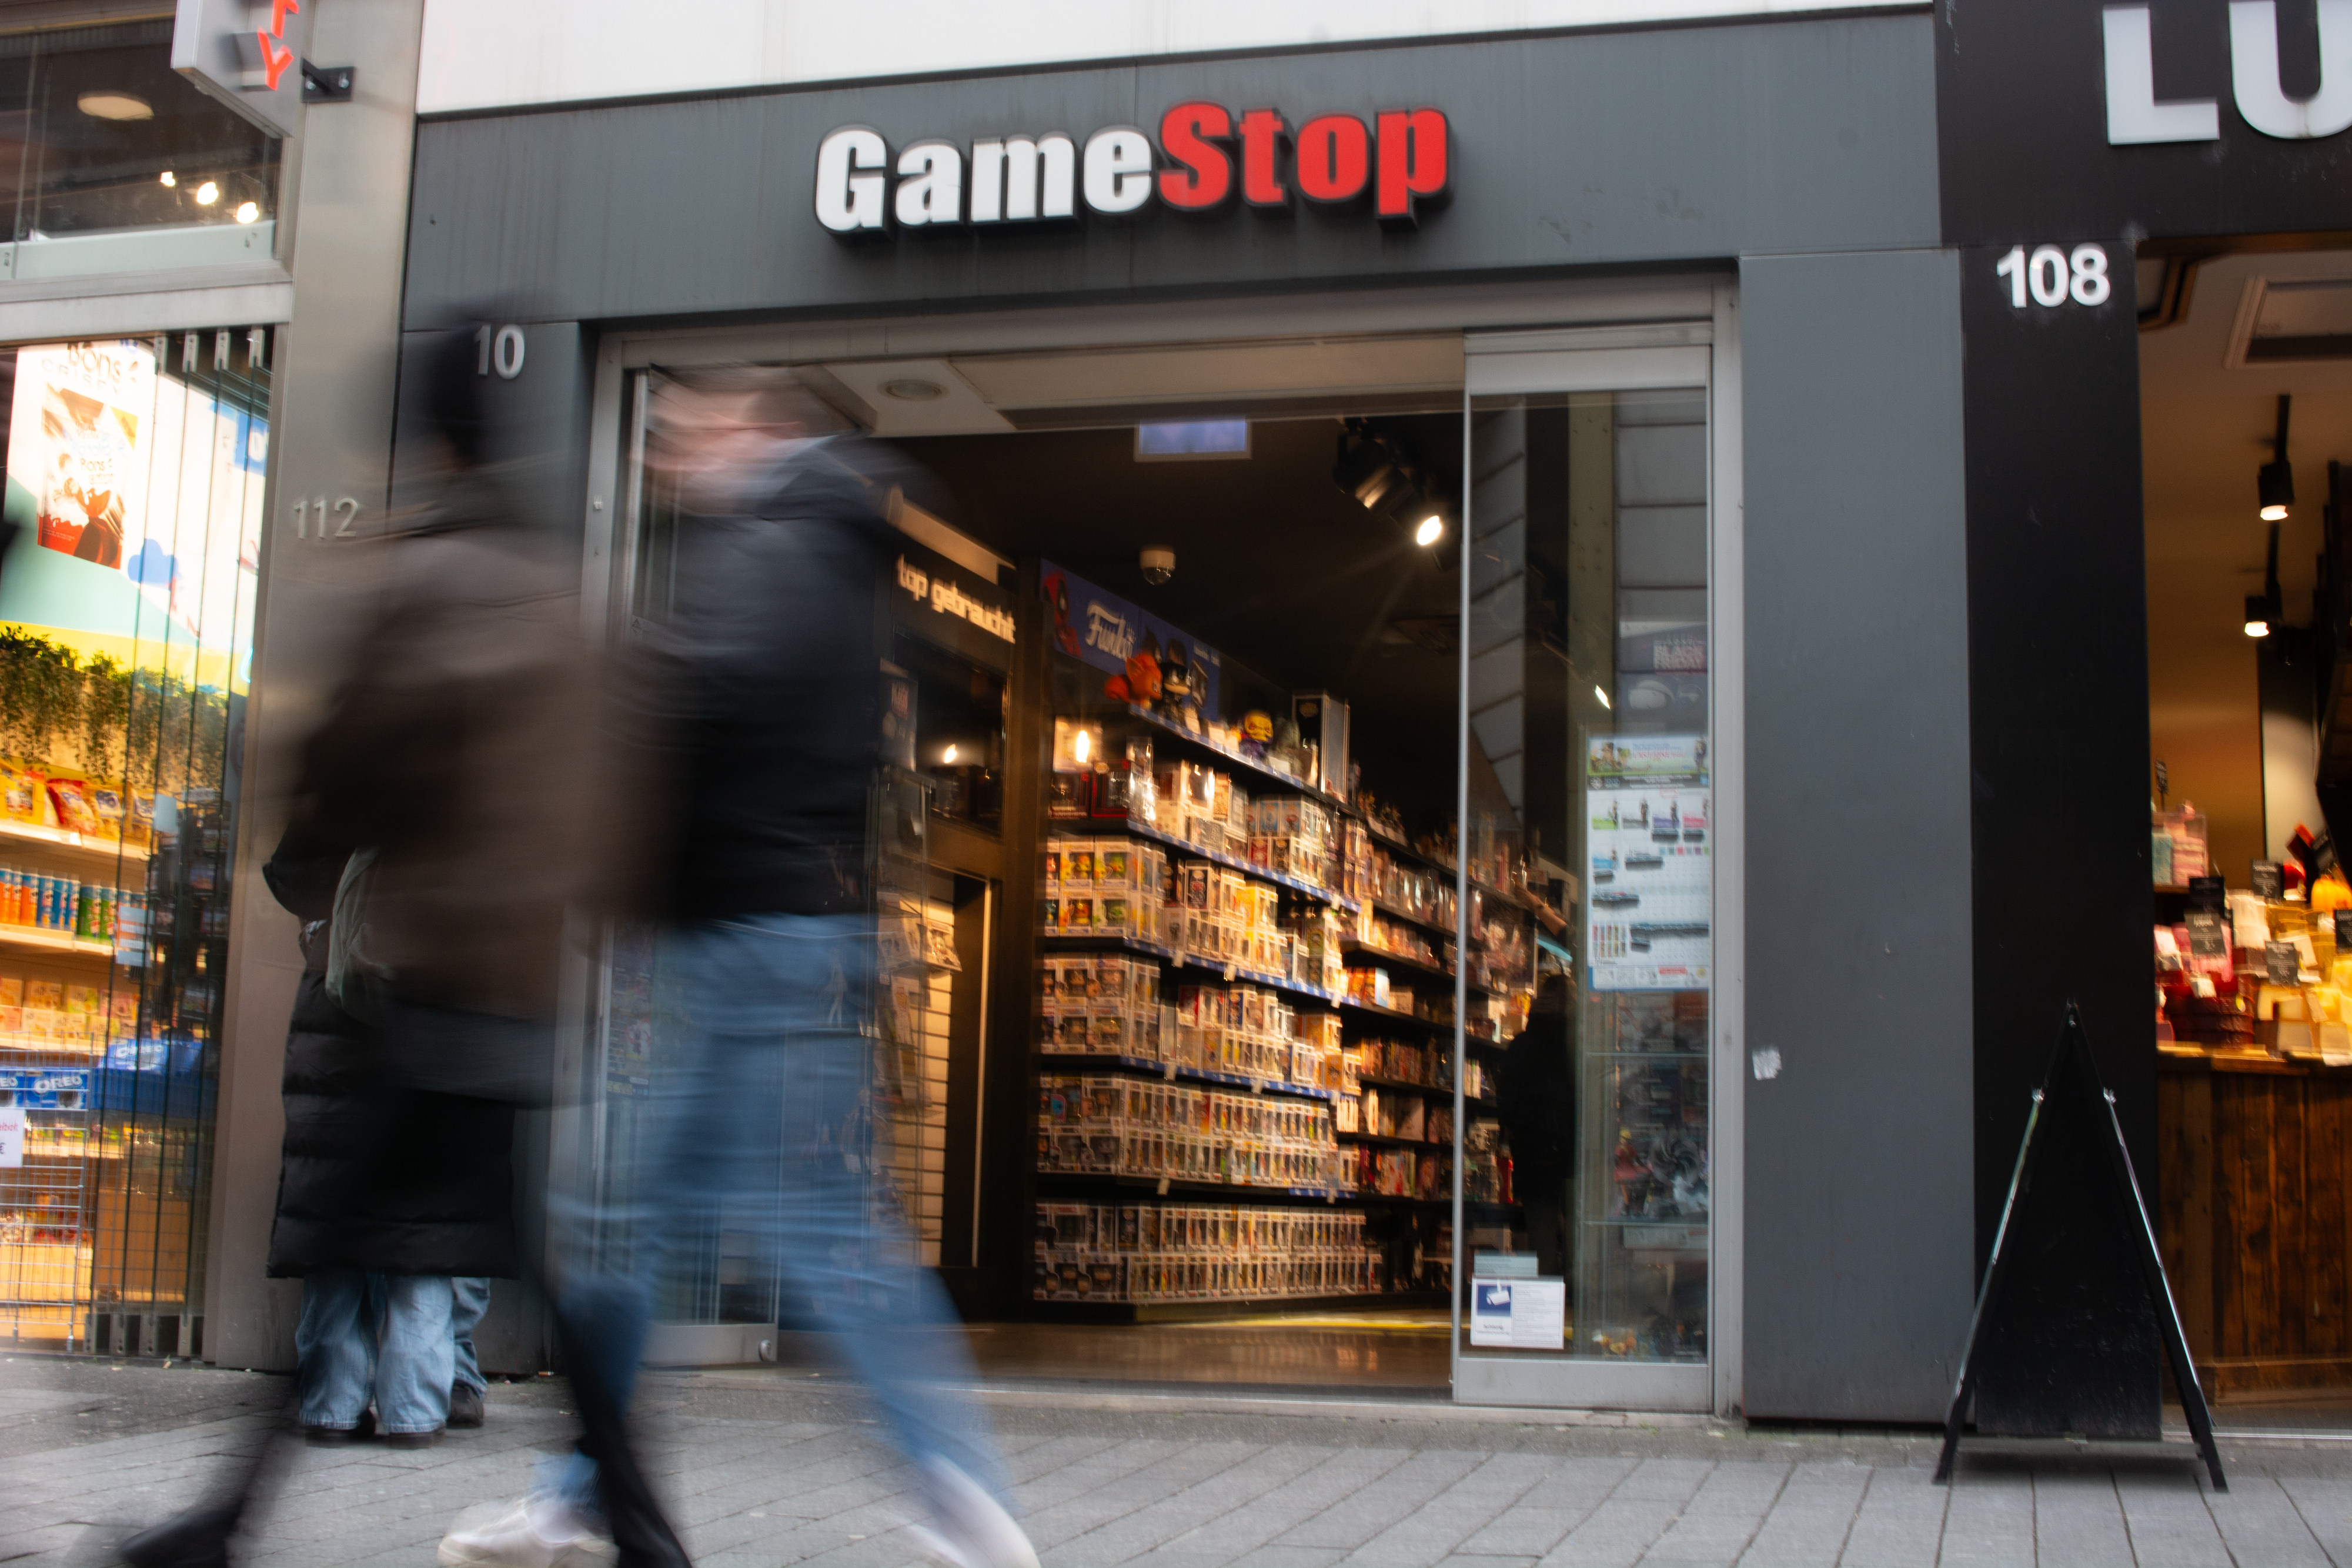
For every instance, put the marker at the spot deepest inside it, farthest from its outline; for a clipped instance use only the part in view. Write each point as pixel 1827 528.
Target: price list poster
pixel 1647 798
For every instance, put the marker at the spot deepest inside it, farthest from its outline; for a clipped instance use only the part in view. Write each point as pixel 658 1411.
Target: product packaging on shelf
pixel 1166 1253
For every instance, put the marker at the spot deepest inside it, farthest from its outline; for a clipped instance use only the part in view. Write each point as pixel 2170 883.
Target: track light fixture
pixel 2275 483
pixel 2262 609
pixel 1381 477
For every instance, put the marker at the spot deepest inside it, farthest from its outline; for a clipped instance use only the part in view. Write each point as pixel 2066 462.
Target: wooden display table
pixel 2254 1219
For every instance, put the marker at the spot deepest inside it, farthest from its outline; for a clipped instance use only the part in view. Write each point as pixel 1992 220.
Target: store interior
pixel 1166 865
pixel 2248 598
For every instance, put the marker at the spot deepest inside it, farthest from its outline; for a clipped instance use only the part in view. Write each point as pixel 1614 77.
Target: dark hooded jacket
pixel 371 1176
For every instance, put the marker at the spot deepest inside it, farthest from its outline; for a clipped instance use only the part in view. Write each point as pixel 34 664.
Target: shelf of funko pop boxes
pixel 1225 970
pixel 1510 897
pixel 1185 739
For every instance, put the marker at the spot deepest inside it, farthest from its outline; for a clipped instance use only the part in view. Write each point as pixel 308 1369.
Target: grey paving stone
pixel 1616 1533
pixel 1988 1522
pixel 2079 1520
pixel 1355 1519
pixel 2260 1524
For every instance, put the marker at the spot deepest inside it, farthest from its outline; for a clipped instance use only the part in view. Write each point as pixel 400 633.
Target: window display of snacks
pixel 1146 1127
pixel 1181 1252
pixel 64 904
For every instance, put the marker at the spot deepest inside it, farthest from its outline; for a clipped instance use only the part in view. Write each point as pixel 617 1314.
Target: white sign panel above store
pixel 509 54
pixel 247 54
pixel 2135 115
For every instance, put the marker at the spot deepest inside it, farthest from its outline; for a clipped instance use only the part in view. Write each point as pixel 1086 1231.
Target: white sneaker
pixel 532 1533
pixel 973 1529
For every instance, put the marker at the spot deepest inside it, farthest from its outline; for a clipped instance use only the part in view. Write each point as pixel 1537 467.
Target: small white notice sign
pixel 12 1135
pixel 1518 1315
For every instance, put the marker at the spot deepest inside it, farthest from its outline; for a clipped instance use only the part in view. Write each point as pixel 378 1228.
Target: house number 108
pixel 2053 275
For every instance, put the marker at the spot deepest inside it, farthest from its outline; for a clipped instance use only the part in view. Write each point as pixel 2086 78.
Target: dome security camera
pixel 1159 565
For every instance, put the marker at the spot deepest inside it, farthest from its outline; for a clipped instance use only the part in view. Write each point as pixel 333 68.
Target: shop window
pixel 134 496
pixel 1587 1182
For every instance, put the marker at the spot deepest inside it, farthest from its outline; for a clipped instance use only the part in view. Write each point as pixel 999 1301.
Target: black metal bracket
pixel 2075 1051
pixel 328 84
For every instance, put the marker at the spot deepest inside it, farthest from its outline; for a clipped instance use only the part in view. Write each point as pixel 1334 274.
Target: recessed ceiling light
pixel 208 193
pixel 169 179
pixel 114 106
pixel 908 389
pixel 246 211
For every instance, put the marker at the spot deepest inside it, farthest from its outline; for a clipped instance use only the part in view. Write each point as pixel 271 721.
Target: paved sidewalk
pixel 765 1469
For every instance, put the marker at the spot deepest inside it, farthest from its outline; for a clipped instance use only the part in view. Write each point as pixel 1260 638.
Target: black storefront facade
pixel 1921 524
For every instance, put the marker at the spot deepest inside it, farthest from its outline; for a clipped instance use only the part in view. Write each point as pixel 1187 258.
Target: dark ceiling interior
pixel 1276 568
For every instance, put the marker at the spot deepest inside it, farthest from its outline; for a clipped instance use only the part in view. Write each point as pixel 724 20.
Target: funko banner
pixel 1150 664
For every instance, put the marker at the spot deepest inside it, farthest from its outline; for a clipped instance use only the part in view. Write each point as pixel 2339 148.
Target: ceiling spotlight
pixel 1159 563
pixel 1432 530
pixel 208 193
pixel 910 389
pixel 2275 483
pixel 170 180
pixel 2262 609
pixel 1603 696
pixel 246 211
pixel 948 756
pixel 115 106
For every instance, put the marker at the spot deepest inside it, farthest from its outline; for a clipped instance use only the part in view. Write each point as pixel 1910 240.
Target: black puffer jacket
pixel 387 1181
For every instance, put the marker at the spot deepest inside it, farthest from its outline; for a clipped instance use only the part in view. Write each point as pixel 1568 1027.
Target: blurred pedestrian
pixel 764 738
pixel 387 1205
pixel 447 786
pixel 469 1388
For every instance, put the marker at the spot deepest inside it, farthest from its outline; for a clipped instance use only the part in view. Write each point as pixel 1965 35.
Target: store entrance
pixel 1294 870
pixel 2246 411
pixel 1234 657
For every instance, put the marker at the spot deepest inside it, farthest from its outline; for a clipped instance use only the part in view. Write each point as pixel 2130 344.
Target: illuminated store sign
pixel 1206 158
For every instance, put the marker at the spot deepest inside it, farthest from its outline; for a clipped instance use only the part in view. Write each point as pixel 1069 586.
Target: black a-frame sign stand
pixel 2074 1056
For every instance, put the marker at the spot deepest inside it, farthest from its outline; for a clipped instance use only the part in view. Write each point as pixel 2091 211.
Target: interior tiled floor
pixel 1391 1352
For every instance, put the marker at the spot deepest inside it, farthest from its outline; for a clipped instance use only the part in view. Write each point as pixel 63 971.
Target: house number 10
pixel 2053 275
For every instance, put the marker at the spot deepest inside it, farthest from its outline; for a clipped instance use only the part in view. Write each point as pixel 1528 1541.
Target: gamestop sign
pixel 1205 159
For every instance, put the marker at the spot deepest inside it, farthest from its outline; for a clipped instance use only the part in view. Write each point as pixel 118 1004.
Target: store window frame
pixel 1622 334
pixel 1618 359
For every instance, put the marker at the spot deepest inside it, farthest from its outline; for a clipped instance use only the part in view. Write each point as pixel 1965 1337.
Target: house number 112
pixel 312 511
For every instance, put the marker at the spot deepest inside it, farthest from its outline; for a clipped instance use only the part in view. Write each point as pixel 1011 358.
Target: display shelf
pixel 1096 1063
pixel 1386 1142
pixel 1355 949
pixel 1175 1186
pixel 1646 1055
pixel 1119 939
pixel 1399 847
pixel 59 839
pixel 1201 743
pixel 1299 885
pixel 56 944
pixel 1393 1015
pixel 1370 1080
pixel 1398 911
pixel 1188 960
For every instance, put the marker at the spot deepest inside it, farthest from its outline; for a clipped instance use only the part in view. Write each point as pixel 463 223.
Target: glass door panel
pixel 1587 898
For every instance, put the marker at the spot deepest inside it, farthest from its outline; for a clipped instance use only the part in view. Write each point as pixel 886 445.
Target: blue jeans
pixel 383 1337
pixel 765 1107
pixel 472 1299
